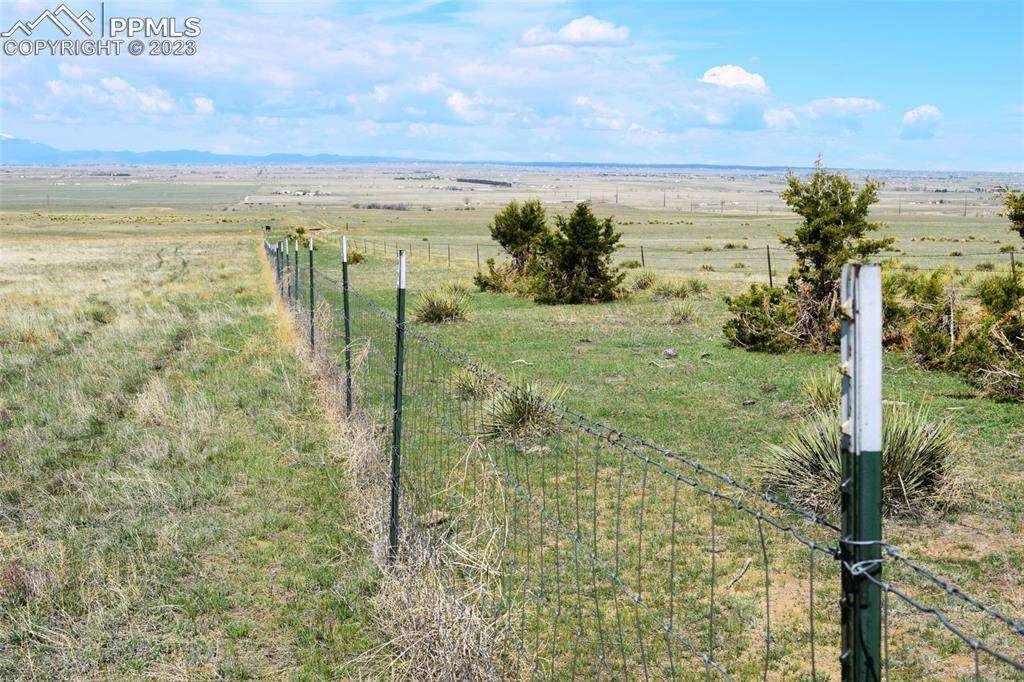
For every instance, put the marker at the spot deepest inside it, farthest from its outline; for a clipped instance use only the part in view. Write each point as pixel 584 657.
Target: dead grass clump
pixel 432 622
pixel 323 323
pixel 20 583
pixel 504 278
pixel 434 634
pixel 153 404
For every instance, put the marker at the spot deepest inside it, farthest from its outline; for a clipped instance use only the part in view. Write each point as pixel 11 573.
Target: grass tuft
pixel 101 312
pixel 682 313
pixel 669 289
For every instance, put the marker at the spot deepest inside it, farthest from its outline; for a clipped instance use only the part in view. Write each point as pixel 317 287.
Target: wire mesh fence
pixel 735 261
pixel 602 554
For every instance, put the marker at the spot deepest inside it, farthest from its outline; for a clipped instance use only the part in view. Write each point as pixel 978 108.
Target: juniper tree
pixel 572 263
pixel 834 229
pixel 1014 202
pixel 516 227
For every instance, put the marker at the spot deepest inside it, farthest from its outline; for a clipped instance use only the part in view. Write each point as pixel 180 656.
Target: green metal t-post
pixel 311 299
pixel 287 283
pixel 277 266
pixel 861 488
pixel 296 288
pixel 291 268
pixel 348 328
pixel 396 427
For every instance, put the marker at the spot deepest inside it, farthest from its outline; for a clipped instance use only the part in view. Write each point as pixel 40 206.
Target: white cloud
pixel 465 84
pixel 829 114
pixel 124 96
pixel 732 76
pixel 73 71
pixel 598 115
pixel 471 109
pixel 115 92
pixel 919 123
pixel 203 105
pixel 842 107
pixel 585 102
pixel 780 118
pixel 586 30
pixel 459 103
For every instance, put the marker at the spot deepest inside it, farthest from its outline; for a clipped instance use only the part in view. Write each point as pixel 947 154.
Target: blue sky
pixel 882 85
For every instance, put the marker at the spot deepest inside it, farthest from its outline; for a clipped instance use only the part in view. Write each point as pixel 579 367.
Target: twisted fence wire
pixel 752 258
pixel 605 554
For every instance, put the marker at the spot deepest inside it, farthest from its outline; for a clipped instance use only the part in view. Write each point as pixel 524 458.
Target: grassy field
pixel 729 249
pixel 170 505
pixel 610 359
pixel 721 406
pixel 166 474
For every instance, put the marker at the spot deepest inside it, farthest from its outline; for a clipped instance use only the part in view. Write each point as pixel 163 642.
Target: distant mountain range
pixel 18 152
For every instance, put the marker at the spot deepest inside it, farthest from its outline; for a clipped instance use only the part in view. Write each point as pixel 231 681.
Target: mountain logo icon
pixel 78 20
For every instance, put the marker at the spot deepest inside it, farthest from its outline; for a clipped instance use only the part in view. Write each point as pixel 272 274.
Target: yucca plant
pixel 695 286
pixel 457 287
pixel 823 391
pixel 669 289
pixel 442 305
pixel 683 312
pixel 919 459
pixel 467 384
pixel 643 279
pixel 518 411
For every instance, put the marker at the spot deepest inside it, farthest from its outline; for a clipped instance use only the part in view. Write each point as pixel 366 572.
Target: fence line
pixel 771 262
pixel 602 553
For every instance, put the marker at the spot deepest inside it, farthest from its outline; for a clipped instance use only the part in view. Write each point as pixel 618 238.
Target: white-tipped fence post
pixel 861 487
pixel 312 305
pixel 348 327
pixel 396 426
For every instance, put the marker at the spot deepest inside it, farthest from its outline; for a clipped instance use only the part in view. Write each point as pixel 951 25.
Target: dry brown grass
pixel 433 625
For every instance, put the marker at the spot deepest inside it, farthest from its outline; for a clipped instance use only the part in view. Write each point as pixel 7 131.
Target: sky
pixel 916 85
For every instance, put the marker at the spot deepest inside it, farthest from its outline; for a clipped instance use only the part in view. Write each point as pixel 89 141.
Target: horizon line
pixel 254 159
